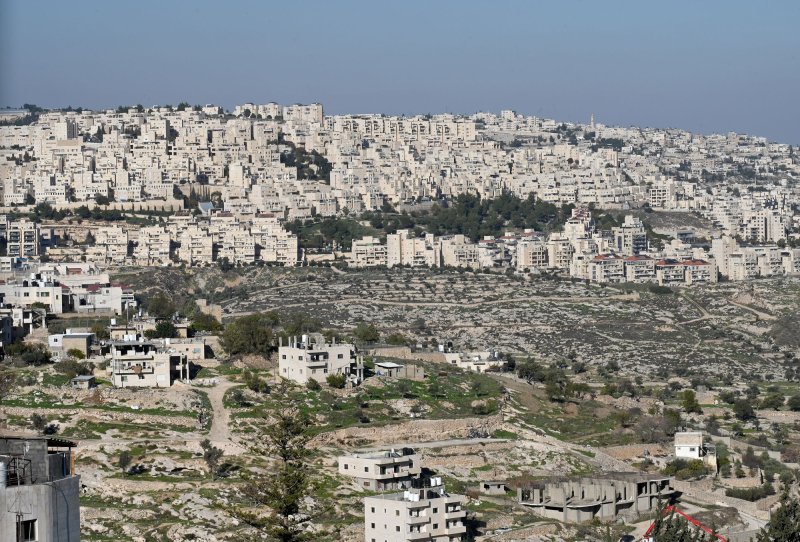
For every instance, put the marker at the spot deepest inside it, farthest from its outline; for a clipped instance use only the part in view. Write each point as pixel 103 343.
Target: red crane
pixel 669 510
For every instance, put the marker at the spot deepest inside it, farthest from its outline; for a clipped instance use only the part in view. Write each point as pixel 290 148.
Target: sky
pixel 706 66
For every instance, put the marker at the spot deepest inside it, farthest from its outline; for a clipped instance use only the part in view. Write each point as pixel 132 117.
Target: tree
pixel 100 331
pixel 794 402
pixel 160 306
pixel 29 353
pixel 743 410
pixel 366 333
pixel 782 526
pixel 313 385
pixel 205 322
pixel 249 334
pixel 8 382
pixel 283 491
pixel 211 455
pixel 336 380
pixel 75 353
pixel 72 368
pixel 164 330
pixel 773 400
pixel 124 461
pixel 674 528
pixel 689 402
pixel 38 422
pixel 530 371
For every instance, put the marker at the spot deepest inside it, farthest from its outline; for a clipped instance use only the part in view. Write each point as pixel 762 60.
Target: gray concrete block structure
pixel 605 497
pixel 39 490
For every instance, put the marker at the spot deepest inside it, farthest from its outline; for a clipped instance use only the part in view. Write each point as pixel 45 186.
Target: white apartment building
pixel 404 249
pixel 532 254
pixel 142 364
pixel 312 358
pixel 152 246
pixel 23 238
pixel 631 237
pixel 379 471
pixel 368 252
pixel 424 513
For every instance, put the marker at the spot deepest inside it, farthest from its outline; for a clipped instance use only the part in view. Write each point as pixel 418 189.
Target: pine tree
pixel 285 489
pixel 783 526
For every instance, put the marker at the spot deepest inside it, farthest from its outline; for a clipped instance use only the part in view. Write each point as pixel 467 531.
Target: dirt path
pixel 220 434
pixel 761 315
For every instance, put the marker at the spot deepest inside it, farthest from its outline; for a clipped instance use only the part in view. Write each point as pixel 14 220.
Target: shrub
pixel 313 385
pixel 74 353
pixel 684 469
pixel 751 493
pixel 72 368
pixel 336 381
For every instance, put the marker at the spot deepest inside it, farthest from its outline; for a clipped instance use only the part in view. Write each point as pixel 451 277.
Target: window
pixel 397 512
pixel 347 467
pixel 397 528
pixel 372 509
pixel 372 525
pixel 435 526
pixel 435 510
pixel 27 530
pixel 366 469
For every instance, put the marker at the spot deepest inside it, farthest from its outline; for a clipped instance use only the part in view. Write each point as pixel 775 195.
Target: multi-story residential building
pixel 532 254
pixel 606 268
pixel 559 252
pixel 143 364
pixel 457 251
pixel 39 490
pixel 404 249
pixel 640 269
pixel 23 239
pixel 312 358
pixel 379 471
pixel 631 237
pixel 424 513
pixel 196 246
pixel 153 247
pixel 110 246
pixel 368 252
pixel 37 291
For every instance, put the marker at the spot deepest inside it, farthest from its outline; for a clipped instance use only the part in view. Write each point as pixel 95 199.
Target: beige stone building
pixel 311 357
pixel 424 513
pixel 379 471
pixel 142 364
pixel 368 252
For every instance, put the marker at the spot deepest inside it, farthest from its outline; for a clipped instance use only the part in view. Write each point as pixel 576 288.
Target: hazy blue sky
pixel 701 65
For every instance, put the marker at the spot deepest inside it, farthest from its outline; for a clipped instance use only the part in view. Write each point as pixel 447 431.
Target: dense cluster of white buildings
pixel 621 254
pixel 253 164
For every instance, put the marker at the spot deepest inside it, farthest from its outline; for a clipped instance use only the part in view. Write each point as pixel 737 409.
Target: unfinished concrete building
pixel 606 497
pixel 39 490
pixel 379 471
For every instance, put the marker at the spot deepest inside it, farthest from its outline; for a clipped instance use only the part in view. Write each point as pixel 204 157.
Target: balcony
pixel 418 535
pixel 457 529
pixel 418 520
pixel 455 514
